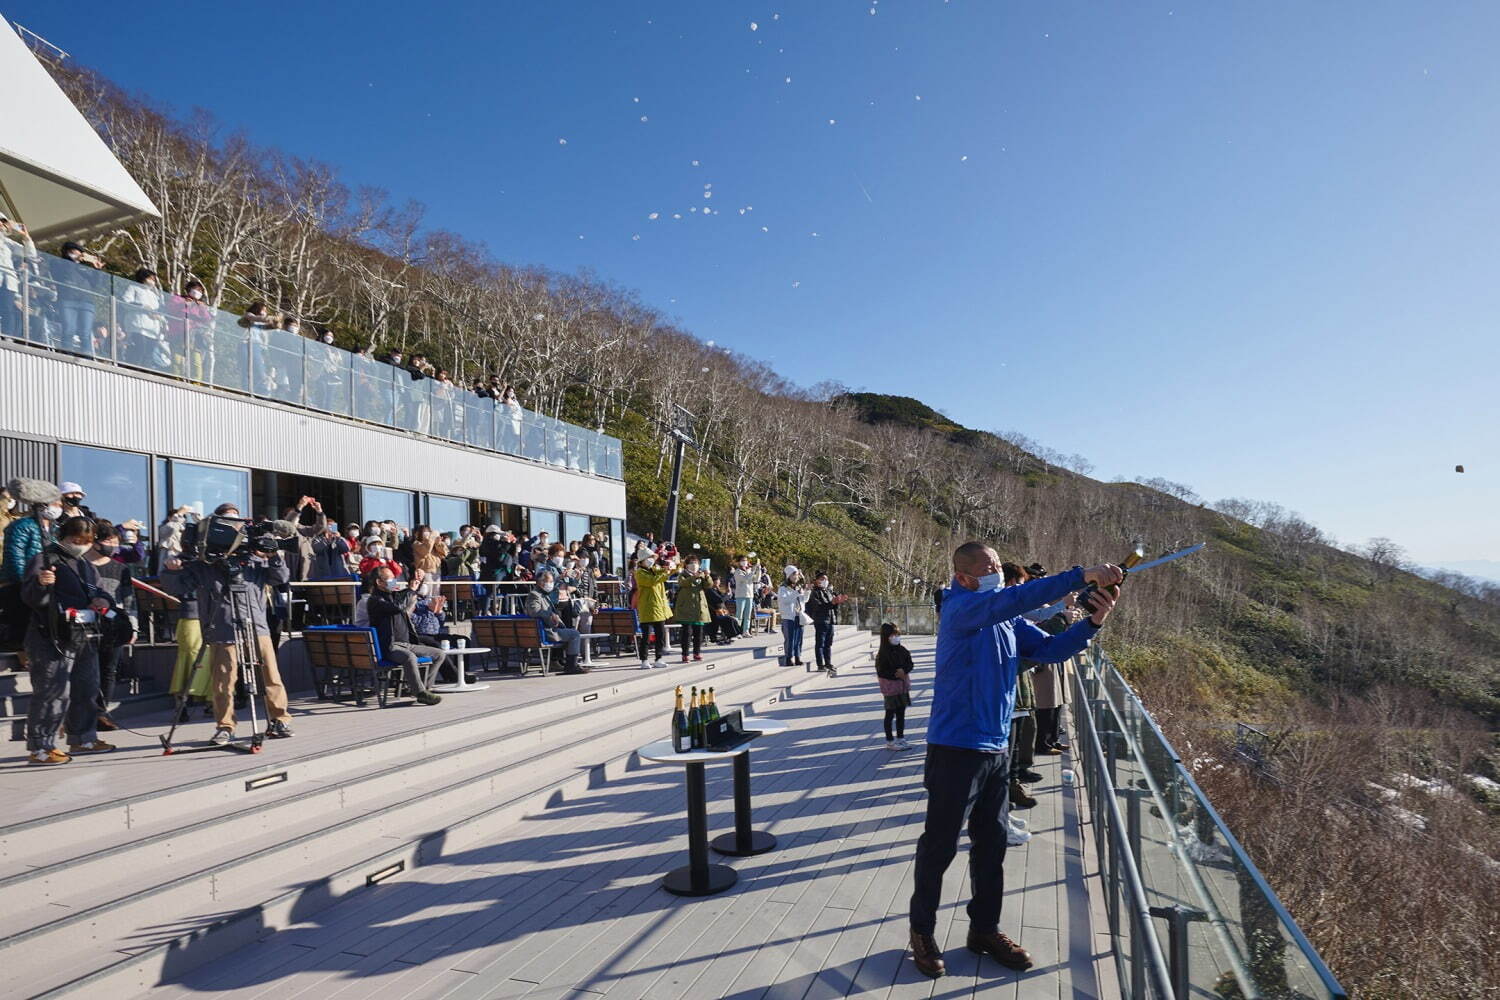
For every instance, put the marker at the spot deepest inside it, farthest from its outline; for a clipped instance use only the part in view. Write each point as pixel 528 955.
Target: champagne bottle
pixel 682 736
pixel 695 723
pixel 713 706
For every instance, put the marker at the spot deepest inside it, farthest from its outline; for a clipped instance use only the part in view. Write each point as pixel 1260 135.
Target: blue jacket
pixel 981 640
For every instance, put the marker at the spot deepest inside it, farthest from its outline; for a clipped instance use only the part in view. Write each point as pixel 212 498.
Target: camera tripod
pixel 247 656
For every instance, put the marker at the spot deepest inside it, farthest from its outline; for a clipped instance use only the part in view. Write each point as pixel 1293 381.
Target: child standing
pixel 893 668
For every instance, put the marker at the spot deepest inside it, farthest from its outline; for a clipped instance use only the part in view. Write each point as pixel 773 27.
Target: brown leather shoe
pixel 1018 797
pixel 999 947
pixel 926 956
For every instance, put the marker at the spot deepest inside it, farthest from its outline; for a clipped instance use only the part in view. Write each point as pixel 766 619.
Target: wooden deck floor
pixel 567 903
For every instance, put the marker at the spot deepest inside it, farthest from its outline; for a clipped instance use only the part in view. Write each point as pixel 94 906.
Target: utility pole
pixel 682 437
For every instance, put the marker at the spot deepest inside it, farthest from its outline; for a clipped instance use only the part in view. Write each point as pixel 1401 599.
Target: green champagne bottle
pixel 695 723
pixel 682 736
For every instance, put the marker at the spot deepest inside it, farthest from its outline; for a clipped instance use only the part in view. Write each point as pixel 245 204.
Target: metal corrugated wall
pixel 27 458
pixel 68 399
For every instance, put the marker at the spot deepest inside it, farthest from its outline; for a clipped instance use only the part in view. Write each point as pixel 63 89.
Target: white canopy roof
pixel 56 174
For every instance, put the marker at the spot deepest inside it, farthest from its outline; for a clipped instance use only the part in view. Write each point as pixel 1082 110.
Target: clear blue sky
pixel 1248 246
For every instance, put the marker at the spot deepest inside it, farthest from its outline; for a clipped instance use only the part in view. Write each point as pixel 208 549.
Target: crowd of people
pixel 60 560
pixel 62 302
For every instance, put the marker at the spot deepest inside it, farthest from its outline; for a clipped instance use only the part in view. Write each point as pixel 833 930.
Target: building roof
pixel 56 174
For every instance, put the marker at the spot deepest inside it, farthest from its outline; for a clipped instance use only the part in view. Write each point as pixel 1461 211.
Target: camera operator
pixel 390 606
pixel 219 586
pixel 62 645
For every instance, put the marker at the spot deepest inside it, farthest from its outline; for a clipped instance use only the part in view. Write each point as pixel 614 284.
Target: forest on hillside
pixel 1380 687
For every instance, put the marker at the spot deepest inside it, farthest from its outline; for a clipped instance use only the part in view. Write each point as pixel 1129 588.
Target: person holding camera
pixel 231 595
pixel 652 609
pixel 822 608
pixel 390 606
pixel 68 610
pixel 746 580
pixel 690 608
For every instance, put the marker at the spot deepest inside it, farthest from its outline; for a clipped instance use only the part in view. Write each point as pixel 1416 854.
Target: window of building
pixel 540 520
pixel 377 503
pixel 204 487
pixel 575 526
pixel 617 544
pixel 118 483
pixel 447 513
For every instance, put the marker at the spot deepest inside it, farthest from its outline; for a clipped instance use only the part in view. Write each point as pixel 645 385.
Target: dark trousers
pixel 1022 743
pixel 657 629
pixel 823 643
pixel 962 784
pixel 895 713
pixel 723 628
pixel 1047 720
pixel 691 635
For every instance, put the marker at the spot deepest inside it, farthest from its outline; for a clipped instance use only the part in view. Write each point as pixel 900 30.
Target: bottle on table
pixel 713 706
pixel 682 736
pixel 695 722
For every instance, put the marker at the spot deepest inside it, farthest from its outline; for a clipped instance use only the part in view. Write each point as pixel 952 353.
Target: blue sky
pixel 1249 247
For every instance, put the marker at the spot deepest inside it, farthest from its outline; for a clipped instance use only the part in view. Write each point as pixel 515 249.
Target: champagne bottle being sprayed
pixel 1135 558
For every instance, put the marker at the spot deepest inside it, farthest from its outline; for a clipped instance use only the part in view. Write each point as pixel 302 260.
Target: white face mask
pixel 895 640
pixel 546 586
pixel 73 549
pixel 647 563
pixel 989 582
pixel 556 560
pixel 196 293
pixel 52 513
pixel 395 586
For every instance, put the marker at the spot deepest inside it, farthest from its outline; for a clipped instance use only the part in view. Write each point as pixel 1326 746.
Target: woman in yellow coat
pixel 651 604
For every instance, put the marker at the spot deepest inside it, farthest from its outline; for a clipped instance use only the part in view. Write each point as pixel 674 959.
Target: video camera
pixel 232 540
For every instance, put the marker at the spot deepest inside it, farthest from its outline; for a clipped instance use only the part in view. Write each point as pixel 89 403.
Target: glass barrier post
pixel 114 323
pixel 1178 917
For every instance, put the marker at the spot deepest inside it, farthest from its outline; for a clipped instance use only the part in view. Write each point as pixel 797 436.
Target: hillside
pixel 1272 624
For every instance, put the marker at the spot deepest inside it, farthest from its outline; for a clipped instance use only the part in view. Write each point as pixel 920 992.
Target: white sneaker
pixel 891 745
pixel 1017 823
pixel 901 744
pixel 645 665
pixel 1015 838
pixel 221 736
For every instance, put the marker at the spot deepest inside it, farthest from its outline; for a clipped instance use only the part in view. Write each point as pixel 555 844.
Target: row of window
pixel 125 485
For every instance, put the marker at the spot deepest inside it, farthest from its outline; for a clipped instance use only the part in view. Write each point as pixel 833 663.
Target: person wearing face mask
pixel 541 604
pixel 652 608
pixel 745 579
pixel 791 604
pixel 68 609
pixel 191 321
pixel 390 607
pixel 690 609
pixel 228 596
pixel 76 292
pixel 427 552
pixel 822 606
pixel 981 639
pixel 117 634
pixel 145 323
pixel 27 535
pixel 377 556
pixel 72 501
pixel 893 669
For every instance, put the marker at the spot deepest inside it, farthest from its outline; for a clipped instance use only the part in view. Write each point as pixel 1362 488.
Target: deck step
pixel 206 860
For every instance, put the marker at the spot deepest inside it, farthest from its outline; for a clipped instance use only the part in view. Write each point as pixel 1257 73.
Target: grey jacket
pixel 542 607
pixel 212 584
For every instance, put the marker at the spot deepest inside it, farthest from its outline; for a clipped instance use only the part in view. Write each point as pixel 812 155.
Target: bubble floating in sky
pixel 708 186
pixel 765 229
pixel 562 142
pixel 653 216
pixel 833 121
pixel 788 79
pixel 644 118
pixel 636 100
pixel 676 215
pixel 695 163
pixel 796 284
pixel 708 194
pixel 636 236
pixel 754 26
pixel 775 17
pixel 963 159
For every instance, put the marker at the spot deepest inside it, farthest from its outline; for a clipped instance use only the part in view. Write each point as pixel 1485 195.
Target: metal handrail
pixel 1106 667
pixel 1121 863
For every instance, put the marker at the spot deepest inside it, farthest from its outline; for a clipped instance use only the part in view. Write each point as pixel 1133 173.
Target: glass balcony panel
pixel 277 367
pixel 373 398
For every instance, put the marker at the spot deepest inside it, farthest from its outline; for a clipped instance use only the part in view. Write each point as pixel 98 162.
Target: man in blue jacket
pixel 981 640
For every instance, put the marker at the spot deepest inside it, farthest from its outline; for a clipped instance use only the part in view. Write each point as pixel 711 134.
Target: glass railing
pixel 79 310
pixel 1213 919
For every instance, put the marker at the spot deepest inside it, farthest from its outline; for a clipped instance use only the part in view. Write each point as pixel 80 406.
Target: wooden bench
pixel 155 614
pixel 329 605
pixel 338 653
pixel 617 623
pixel 514 632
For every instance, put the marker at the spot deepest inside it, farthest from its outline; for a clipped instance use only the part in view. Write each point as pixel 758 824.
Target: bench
pixel 514 632
pixel 617 624
pixel 329 605
pixel 767 617
pixel 336 653
pixel 155 613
